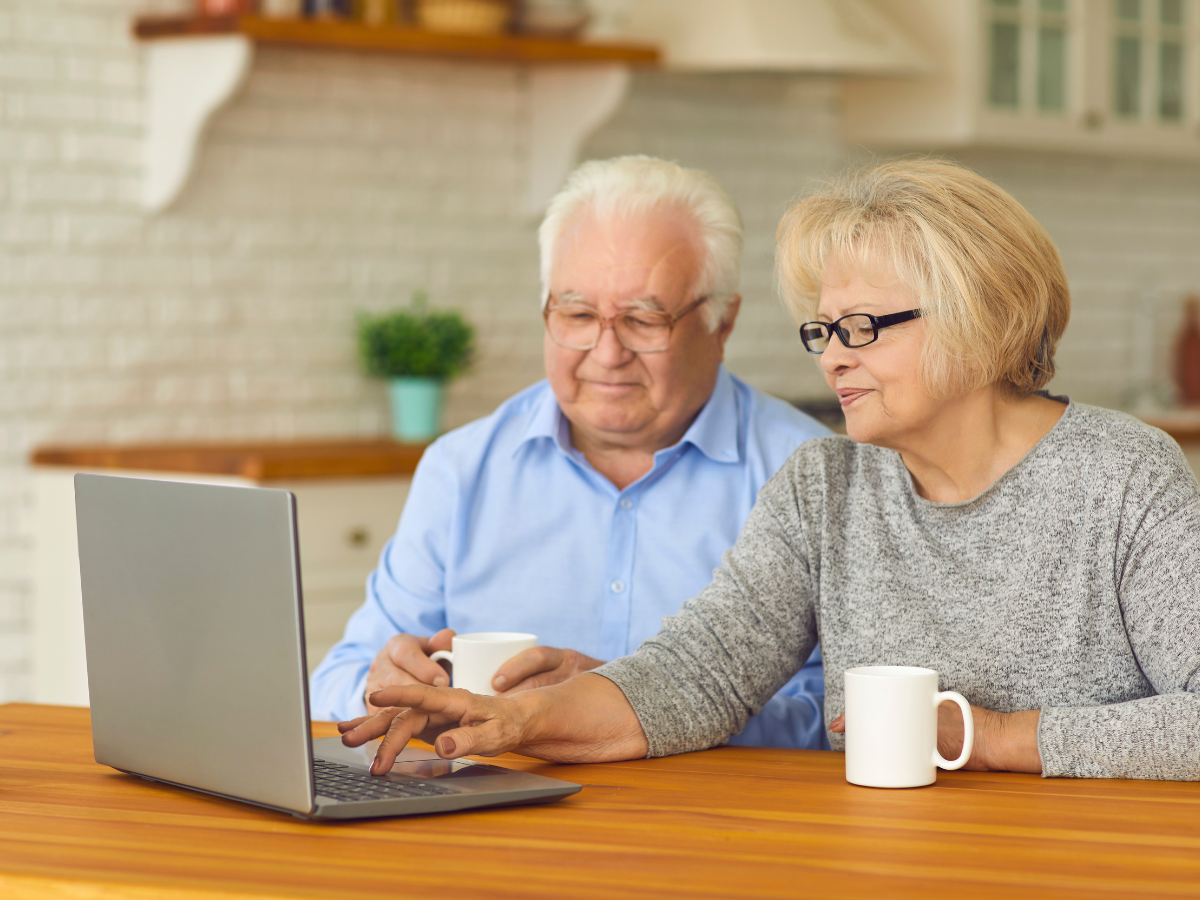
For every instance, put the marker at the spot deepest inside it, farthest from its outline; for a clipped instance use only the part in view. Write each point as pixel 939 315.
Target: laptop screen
pixel 194 634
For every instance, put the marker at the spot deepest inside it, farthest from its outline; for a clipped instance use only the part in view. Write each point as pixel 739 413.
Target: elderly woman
pixel 1043 556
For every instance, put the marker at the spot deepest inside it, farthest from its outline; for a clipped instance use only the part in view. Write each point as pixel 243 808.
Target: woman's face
pixel 878 385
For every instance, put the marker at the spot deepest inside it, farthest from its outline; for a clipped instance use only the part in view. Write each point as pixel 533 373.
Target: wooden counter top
pixel 258 461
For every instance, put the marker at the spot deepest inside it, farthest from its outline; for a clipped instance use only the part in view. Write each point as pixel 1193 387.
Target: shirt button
pixel 618 586
pixel 626 503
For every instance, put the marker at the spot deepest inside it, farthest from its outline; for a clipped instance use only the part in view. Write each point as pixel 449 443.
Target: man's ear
pixel 725 329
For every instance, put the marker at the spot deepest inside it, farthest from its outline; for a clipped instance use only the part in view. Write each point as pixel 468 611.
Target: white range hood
pixel 842 37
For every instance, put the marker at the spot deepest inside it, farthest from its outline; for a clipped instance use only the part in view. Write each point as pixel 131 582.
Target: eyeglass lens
pixel 578 328
pixel 854 331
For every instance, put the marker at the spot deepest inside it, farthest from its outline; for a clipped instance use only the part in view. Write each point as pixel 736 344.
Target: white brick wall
pixel 339 182
pixel 1129 235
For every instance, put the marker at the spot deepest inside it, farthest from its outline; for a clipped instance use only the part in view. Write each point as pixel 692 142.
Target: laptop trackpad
pixel 411 761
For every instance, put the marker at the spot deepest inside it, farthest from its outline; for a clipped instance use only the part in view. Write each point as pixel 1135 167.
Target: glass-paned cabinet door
pixel 1170 60
pixel 1027 43
pixel 1052 55
pixel 1149 57
pixel 1005 52
pixel 1127 59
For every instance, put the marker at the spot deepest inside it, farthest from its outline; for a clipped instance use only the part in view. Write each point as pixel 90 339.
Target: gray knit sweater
pixel 1071 585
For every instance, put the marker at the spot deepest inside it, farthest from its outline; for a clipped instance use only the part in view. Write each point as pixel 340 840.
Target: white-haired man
pixel 589 506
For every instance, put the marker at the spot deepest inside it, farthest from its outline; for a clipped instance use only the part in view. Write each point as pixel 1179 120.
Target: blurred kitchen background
pixel 190 219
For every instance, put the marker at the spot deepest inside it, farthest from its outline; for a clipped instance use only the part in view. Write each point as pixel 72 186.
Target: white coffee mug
pixel 891 726
pixel 476 657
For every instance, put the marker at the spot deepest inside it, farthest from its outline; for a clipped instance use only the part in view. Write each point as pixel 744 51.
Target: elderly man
pixel 589 506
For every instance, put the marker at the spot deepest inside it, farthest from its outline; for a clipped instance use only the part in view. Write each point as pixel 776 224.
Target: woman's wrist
pixel 1009 742
pixel 584 719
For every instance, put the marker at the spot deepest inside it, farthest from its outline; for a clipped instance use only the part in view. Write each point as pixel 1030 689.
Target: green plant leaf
pixel 415 342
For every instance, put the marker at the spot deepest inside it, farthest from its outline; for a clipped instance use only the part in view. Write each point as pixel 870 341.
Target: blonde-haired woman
pixel 1043 556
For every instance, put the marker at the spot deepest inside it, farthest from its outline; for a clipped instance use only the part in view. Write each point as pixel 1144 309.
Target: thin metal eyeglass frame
pixel 877 322
pixel 611 322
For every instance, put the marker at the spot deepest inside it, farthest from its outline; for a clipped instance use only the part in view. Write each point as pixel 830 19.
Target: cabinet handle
pixel 358 537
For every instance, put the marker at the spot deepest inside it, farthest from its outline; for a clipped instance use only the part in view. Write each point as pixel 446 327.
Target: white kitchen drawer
pixel 346 522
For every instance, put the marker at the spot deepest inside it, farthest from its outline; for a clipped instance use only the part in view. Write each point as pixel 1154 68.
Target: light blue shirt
pixel 507 527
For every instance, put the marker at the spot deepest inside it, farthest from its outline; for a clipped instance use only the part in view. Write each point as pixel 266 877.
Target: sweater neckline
pixel 1008 474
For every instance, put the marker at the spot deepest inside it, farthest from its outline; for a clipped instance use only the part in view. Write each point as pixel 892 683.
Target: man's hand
pixel 540 667
pixel 1004 742
pixel 405 660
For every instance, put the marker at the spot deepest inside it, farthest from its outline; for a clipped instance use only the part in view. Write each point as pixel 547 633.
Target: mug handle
pixel 447 655
pixel 968 730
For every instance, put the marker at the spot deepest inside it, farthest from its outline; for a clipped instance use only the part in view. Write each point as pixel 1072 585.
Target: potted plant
pixel 418 351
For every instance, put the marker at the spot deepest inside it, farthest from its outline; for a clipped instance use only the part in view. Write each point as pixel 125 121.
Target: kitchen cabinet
pixel 1119 77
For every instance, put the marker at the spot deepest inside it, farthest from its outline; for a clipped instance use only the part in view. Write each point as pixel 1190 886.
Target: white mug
pixel 476 657
pixel 891 726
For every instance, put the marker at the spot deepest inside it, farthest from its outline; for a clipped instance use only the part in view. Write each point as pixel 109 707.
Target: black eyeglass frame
pixel 877 322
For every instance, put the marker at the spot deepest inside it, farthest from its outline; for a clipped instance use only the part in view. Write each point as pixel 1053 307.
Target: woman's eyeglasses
pixel 577 326
pixel 854 330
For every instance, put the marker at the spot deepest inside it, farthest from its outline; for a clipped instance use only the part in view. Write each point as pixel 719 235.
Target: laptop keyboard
pixel 339 782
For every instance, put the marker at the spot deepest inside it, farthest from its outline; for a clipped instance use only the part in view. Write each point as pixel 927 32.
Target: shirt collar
pixel 716 432
pixel 546 421
pixel 710 433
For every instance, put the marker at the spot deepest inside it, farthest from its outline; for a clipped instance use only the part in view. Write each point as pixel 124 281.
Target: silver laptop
pixel 194 626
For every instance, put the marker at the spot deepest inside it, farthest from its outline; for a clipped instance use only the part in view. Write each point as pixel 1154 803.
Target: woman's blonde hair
pixel 990 283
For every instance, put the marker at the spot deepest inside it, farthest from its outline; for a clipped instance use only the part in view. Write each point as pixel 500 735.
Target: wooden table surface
pixel 733 822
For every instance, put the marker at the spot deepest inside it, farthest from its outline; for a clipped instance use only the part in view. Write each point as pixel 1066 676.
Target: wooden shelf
pixel 257 461
pixel 342 35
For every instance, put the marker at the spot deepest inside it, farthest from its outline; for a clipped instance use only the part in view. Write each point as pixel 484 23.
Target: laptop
pixel 194 625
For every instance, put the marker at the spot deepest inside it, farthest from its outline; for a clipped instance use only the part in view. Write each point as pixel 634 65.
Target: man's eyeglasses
pixel 577 326
pixel 854 330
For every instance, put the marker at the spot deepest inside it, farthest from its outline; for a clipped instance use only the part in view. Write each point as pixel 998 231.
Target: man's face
pixel 614 397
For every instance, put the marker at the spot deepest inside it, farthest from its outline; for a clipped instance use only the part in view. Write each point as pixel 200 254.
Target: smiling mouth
pixel 612 385
pixel 846 396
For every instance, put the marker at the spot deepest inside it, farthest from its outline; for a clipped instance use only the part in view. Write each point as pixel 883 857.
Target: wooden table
pixel 733 822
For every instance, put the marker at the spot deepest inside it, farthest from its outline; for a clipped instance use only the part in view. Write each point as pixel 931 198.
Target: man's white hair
pixel 633 185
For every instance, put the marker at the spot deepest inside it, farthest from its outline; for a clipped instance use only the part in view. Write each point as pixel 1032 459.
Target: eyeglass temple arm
pixel 896 318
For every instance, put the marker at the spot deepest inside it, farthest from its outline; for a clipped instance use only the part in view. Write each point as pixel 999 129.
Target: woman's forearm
pixel 585 719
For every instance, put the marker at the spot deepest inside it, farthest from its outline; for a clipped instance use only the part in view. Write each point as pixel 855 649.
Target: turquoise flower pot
pixel 416 407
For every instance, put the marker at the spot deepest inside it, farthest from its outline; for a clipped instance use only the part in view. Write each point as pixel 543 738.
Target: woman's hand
pixel 456 722
pixel 586 719
pixel 1004 742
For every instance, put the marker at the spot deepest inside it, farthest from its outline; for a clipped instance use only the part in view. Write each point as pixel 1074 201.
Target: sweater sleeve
pixel 1159 591
pixel 714 664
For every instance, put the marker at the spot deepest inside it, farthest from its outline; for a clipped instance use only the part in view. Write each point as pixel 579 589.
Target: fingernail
pixel 448 746
pixel 440 681
pixel 499 682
